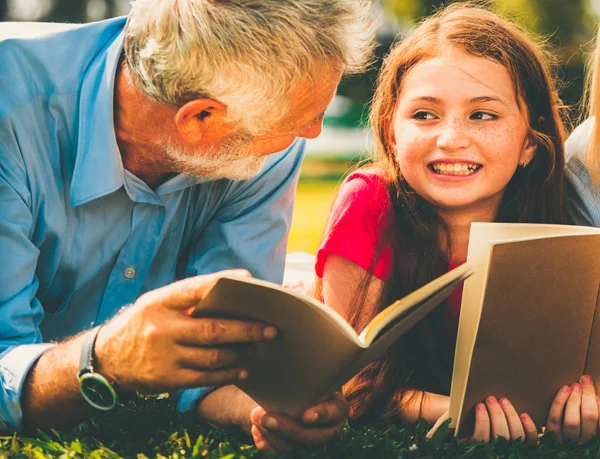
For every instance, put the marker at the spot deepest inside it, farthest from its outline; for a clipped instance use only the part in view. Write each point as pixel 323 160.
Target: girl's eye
pixel 483 116
pixel 423 115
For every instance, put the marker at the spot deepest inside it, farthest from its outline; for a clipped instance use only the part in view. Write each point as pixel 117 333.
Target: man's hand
pixel 317 426
pixel 155 345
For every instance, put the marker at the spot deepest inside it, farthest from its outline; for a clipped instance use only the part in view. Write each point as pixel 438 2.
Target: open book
pixel 316 350
pixel 529 320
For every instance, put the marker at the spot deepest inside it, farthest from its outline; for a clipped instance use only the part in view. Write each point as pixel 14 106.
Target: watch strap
pixel 86 363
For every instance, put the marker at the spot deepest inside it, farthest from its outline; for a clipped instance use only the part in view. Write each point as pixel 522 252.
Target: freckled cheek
pixel 501 164
pixel 412 147
pixel 504 155
pixel 503 143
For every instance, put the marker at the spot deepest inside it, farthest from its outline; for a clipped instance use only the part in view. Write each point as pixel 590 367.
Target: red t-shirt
pixel 356 220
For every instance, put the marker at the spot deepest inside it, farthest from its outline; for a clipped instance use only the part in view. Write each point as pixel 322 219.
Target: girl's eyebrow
pixel 474 100
pixel 430 99
pixel 487 99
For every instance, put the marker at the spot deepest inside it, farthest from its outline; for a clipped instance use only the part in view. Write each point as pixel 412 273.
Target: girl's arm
pixel 426 405
pixel 342 280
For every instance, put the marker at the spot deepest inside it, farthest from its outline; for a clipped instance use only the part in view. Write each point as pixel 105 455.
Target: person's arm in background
pixel 582 195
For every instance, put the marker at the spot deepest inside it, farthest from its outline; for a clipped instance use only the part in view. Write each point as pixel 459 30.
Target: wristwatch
pixel 95 388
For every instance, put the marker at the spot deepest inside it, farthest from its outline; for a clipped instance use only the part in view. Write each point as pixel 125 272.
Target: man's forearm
pixel 50 396
pixel 227 407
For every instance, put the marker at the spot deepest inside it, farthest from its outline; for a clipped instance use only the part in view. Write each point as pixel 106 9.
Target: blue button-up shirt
pixel 80 236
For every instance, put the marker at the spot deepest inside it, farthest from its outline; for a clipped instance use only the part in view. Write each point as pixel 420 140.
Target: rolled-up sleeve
pixel 20 311
pixel 14 366
pixel 250 231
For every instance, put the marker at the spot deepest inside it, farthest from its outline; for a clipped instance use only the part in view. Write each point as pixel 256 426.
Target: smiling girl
pixel 467 123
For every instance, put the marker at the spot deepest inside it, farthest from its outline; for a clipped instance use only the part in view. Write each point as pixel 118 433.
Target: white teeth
pixel 455 168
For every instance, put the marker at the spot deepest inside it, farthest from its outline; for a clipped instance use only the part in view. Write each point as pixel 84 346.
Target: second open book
pixel 529 321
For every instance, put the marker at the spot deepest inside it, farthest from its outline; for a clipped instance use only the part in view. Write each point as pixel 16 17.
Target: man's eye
pixel 422 115
pixel 484 116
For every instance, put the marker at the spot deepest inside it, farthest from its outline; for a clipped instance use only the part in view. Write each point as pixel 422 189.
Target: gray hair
pixel 246 54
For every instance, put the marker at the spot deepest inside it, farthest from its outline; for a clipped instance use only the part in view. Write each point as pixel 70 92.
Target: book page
pixel 424 299
pixel 413 315
pixel 503 232
pixel 535 325
pixel 592 362
pixel 290 373
pixel 478 256
pixel 470 311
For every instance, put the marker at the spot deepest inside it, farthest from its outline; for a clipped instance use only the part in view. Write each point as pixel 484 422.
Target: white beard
pixel 230 160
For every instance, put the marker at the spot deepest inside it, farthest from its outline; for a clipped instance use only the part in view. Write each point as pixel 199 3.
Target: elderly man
pixel 137 157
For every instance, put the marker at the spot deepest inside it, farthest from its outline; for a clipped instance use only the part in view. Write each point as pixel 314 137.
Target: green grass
pixel 151 428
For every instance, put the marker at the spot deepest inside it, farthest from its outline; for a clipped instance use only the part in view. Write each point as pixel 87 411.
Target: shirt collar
pixel 98 168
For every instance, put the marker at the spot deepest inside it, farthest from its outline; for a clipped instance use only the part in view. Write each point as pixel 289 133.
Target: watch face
pixel 97 391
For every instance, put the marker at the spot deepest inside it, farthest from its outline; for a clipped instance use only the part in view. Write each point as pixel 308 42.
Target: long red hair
pixel 422 359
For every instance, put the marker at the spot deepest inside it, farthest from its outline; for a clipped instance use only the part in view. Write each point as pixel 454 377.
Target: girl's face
pixel 459 132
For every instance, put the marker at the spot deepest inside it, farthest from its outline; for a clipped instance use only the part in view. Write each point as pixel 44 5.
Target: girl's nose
pixel 453 136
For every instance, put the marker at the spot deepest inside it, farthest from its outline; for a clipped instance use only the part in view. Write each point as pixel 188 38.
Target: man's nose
pixel 313 131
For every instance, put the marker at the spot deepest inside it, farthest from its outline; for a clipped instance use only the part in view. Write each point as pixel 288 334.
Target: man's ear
pixel 198 116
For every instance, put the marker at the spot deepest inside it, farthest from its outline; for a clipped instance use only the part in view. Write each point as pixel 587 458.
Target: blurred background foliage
pixel 568 27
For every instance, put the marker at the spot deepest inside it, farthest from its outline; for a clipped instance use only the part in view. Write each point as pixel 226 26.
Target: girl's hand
pixel 574 412
pixel 500 419
pixel 497 419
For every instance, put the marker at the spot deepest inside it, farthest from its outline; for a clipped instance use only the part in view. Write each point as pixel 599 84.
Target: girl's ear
pixel 391 137
pixel 529 149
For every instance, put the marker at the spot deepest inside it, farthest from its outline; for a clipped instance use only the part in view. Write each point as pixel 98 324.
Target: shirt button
pixel 129 272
